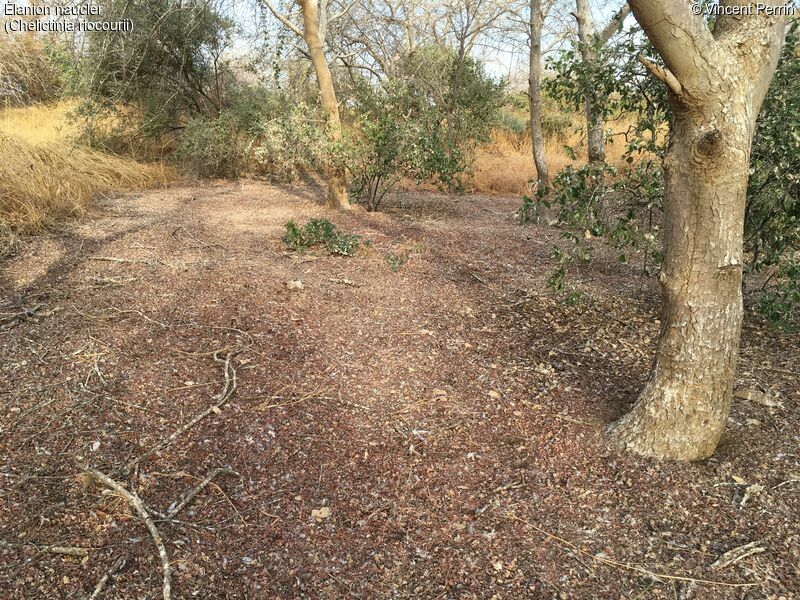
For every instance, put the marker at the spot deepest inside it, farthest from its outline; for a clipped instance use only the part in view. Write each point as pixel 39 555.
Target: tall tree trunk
pixel 595 127
pixel 716 87
pixel 337 181
pixel 535 95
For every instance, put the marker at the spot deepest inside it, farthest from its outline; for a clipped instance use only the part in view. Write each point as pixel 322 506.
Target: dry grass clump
pixel 40 184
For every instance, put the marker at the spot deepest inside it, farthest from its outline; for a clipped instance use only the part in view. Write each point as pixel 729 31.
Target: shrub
pixel 213 147
pixel 256 134
pixel 323 233
pixel 172 67
pixel 382 148
pixel 30 70
pixel 289 144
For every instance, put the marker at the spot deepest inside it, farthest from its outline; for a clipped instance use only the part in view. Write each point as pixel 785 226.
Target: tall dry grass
pixel 504 166
pixel 39 124
pixel 45 177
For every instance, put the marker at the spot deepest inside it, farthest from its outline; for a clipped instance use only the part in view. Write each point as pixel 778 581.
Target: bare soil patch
pixel 422 420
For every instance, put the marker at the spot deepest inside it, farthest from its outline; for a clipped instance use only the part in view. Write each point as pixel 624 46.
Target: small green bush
pixel 320 232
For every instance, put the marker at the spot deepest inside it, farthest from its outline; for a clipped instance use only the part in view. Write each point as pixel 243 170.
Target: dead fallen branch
pixel 119 260
pixel 67 551
pixel 136 503
pixel 225 395
pixel 105 579
pixel 627 566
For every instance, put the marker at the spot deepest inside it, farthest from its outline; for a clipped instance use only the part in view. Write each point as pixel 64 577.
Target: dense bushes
pixel 422 124
pixel 171 68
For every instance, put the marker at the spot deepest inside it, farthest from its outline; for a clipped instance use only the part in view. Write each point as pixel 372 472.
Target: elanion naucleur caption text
pixel 23 18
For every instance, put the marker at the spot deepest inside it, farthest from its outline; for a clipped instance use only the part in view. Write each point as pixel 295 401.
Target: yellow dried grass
pixel 44 178
pixel 504 166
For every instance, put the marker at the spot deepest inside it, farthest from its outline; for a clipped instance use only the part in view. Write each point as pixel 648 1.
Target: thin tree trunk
pixel 716 87
pixel 595 127
pixel 535 95
pixel 337 182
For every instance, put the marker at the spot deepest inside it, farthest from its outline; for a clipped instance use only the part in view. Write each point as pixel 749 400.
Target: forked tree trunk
pixel 337 181
pixel 535 95
pixel 717 84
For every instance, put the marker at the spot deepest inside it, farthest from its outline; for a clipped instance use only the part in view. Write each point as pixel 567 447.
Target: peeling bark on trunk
pixel 337 181
pixel 682 411
pixel 716 85
pixel 535 95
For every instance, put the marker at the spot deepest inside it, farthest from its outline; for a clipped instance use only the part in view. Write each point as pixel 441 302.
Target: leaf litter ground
pixel 422 420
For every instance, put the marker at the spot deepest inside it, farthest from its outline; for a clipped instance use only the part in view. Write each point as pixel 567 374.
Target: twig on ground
pixel 621 565
pixel 142 261
pixel 141 314
pixel 172 513
pixel 20 315
pixel 67 550
pixel 736 554
pixel 119 311
pixel 118 260
pixel 317 394
pixel 225 395
pixel 76 551
pixel 109 575
pixel 136 503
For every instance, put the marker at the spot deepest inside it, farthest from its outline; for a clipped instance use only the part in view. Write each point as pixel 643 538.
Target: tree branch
pixel 682 38
pixel 282 18
pixel 663 74
pixel 136 503
pixel 615 24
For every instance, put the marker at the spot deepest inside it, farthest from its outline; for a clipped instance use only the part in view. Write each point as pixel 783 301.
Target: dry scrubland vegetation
pixel 504 165
pixel 45 175
pixel 446 395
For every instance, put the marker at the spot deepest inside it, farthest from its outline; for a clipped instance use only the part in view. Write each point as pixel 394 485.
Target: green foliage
pixel 779 303
pixel 212 147
pixel 615 82
pixel 772 224
pixel 396 260
pixel 260 133
pixel 556 125
pixel 624 207
pixel 170 67
pixel 289 143
pixel 421 124
pixel 320 232
pixel 383 147
pixel 513 121
pixel 532 205
pixel 455 103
